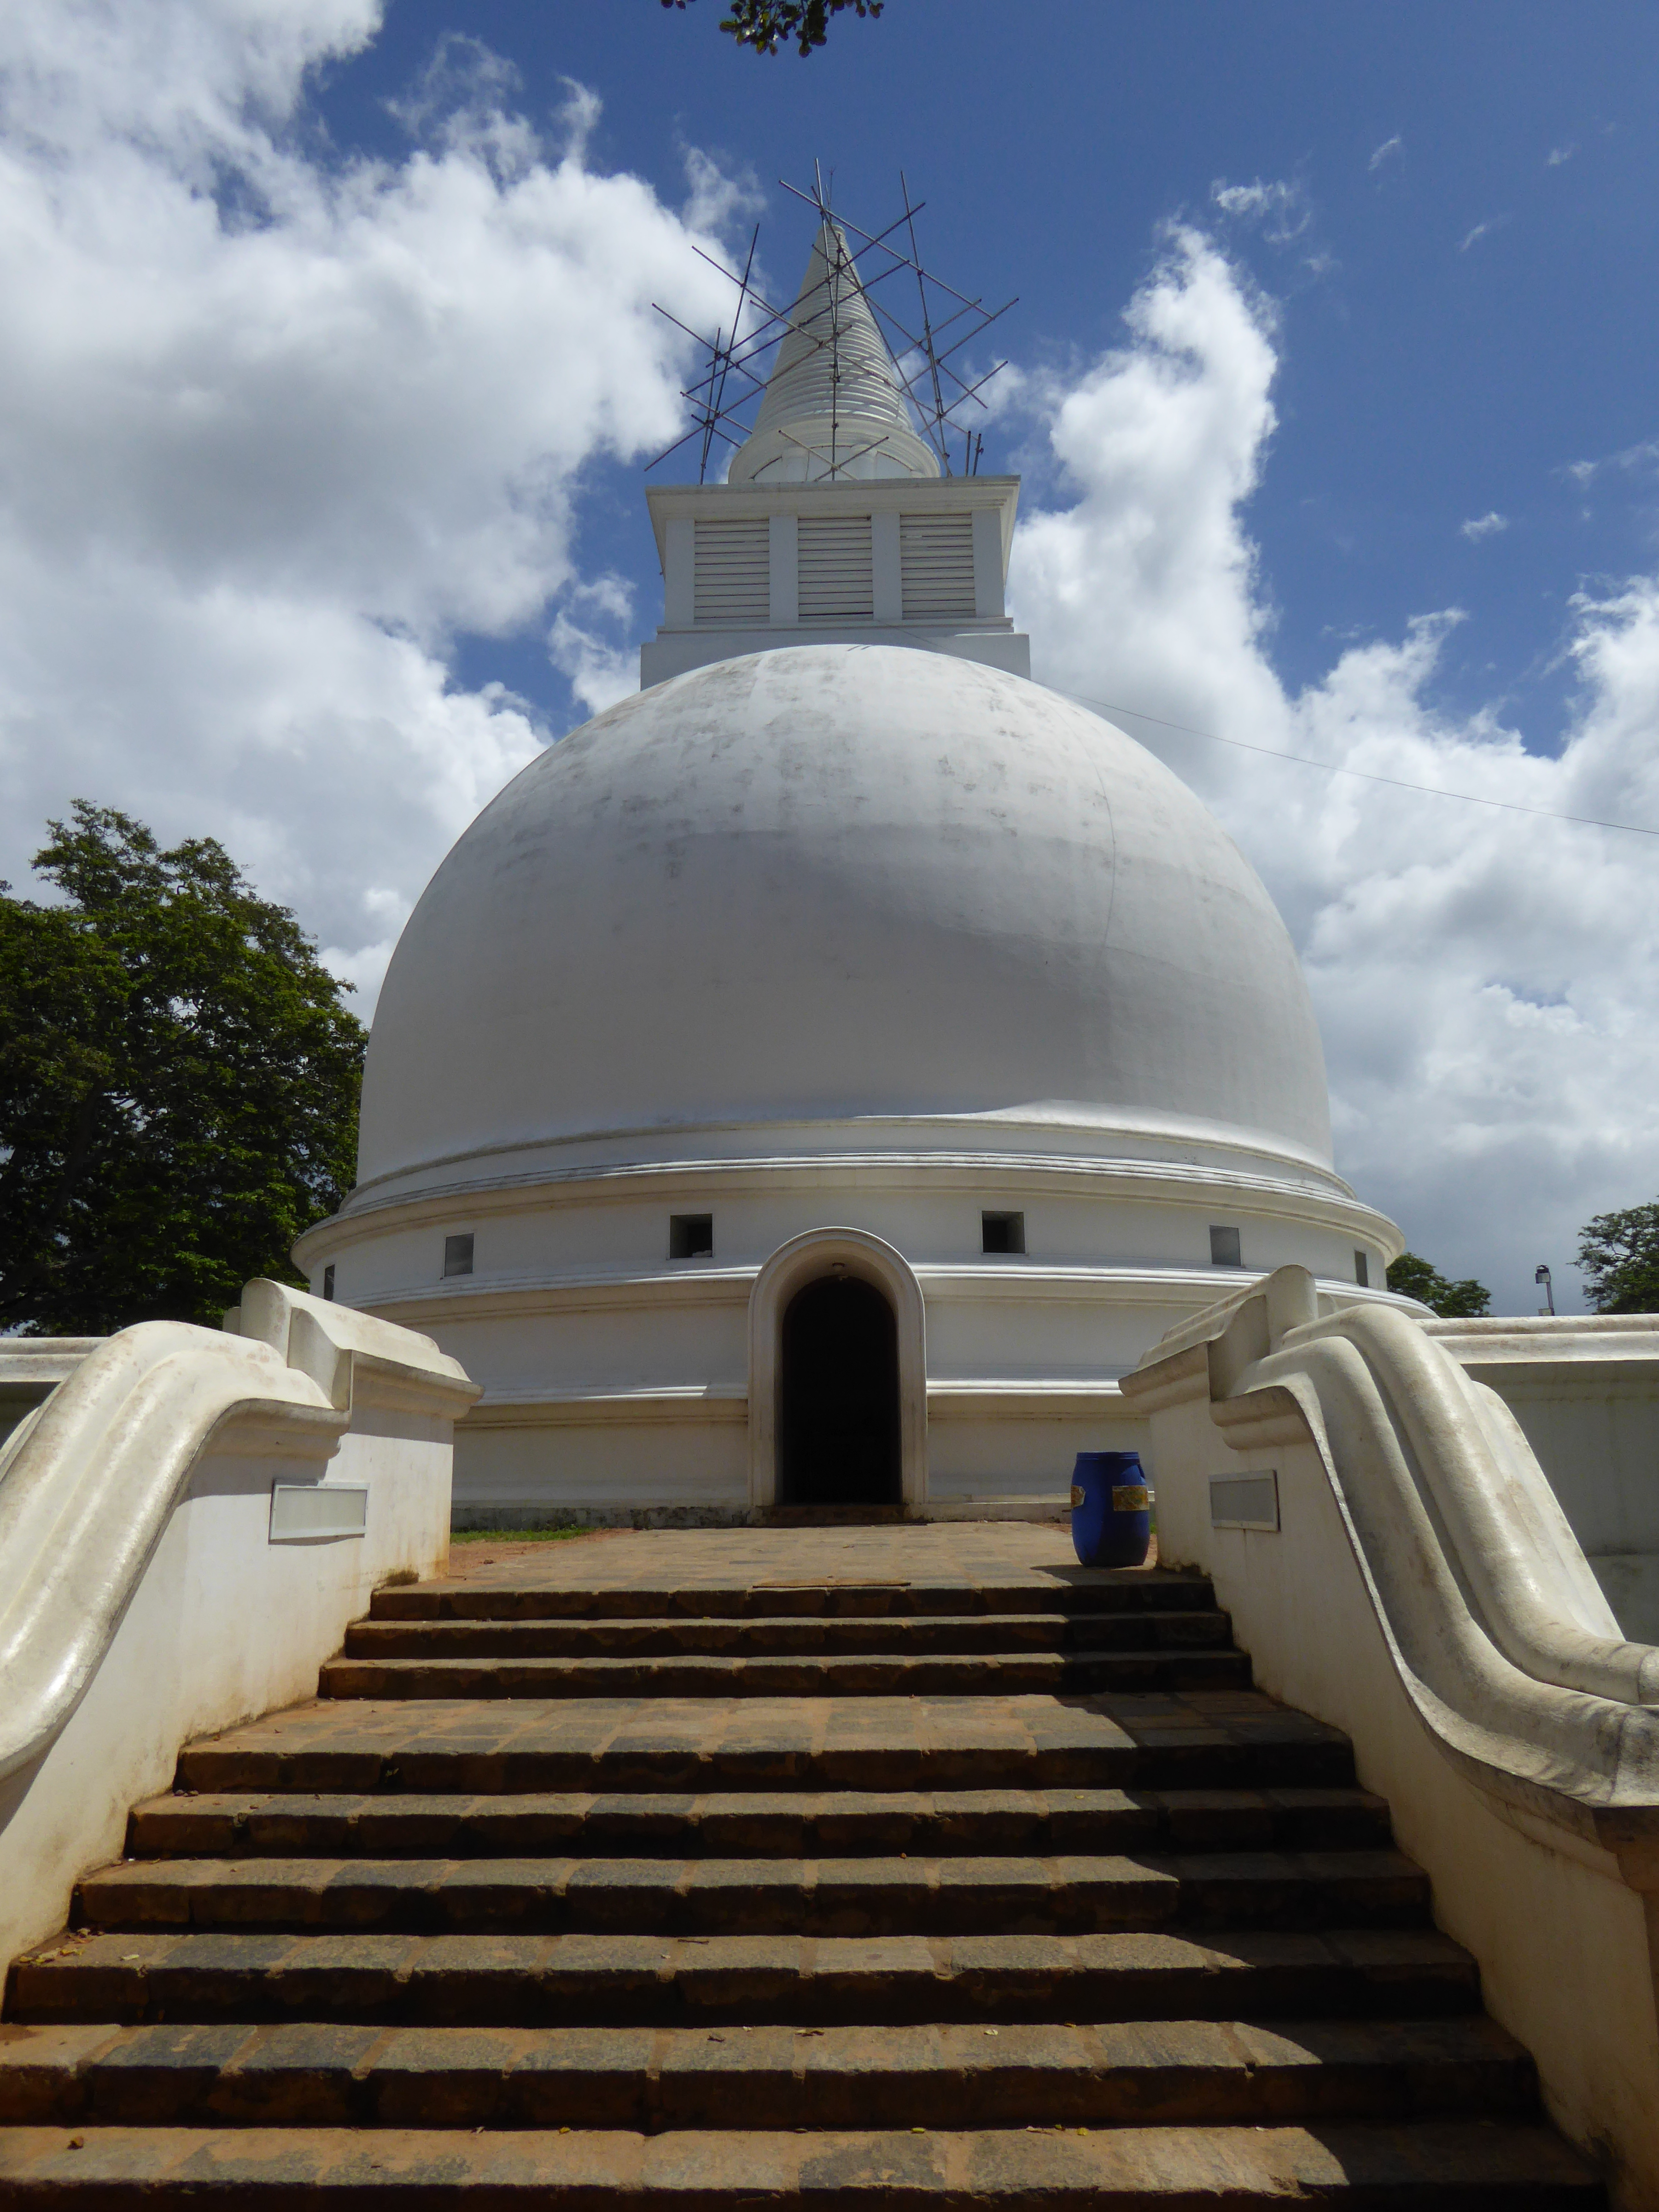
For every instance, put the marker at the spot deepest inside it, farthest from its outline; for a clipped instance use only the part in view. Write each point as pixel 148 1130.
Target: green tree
pixel 1619 1256
pixel 765 24
pixel 179 1083
pixel 1414 1278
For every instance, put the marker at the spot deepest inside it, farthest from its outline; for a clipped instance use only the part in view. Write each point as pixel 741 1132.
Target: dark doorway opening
pixel 838 1440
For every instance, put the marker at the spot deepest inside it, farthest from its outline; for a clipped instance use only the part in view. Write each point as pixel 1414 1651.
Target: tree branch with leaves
pixel 765 24
pixel 1619 1253
pixel 179 1083
pixel 1412 1277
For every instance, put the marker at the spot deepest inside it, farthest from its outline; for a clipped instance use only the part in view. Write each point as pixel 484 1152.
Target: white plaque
pixel 301 1512
pixel 1244 1501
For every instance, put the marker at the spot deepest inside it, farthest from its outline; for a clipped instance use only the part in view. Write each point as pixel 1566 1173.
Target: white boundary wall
pixel 1585 1388
pixel 216 1622
pixel 1545 1864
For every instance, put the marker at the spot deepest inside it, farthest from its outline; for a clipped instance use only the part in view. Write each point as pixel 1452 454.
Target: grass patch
pixel 515 1535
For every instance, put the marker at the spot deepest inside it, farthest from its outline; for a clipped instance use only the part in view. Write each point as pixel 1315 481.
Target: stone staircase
pixel 999 1887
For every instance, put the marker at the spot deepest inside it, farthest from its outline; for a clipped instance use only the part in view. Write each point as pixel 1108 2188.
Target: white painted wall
pixel 986 634
pixel 886 578
pixel 221 1624
pixel 1533 1807
pixel 1585 1389
pixel 993 644
pixel 1562 1941
pixel 573 1301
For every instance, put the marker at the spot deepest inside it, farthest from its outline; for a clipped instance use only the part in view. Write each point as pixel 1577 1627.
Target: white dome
pixel 840 881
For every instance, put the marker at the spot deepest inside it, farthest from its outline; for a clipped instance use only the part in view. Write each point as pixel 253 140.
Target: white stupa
pixel 817 1079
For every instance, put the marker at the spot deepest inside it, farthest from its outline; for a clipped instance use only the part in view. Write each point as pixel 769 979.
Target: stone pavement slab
pixel 781 1823
pixel 964 1566
pixel 1236 1738
pixel 618 1979
pixel 831 1896
pixel 968 1552
pixel 1432 2166
pixel 964 2073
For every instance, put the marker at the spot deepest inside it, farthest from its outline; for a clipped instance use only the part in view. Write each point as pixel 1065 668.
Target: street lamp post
pixel 1542 1275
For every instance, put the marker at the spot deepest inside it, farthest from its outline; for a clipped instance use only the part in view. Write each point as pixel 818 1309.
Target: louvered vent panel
pixel 835 574
pixel 732 578
pixel 936 566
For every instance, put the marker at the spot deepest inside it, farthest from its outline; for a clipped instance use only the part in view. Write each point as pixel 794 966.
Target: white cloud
pixel 601 668
pixel 720 201
pixel 1389 150
pixel 365 964
pixel 1474 236
pixel 462 99
pixel 1484 978
pixel 204 80
pixel 1482 525
pixel 1557 155
pixel 1280 207
pixel 1632 459
pixel 273 432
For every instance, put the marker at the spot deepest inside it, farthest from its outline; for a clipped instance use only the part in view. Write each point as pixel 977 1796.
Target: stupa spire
pixel 834 406
pixel 839 519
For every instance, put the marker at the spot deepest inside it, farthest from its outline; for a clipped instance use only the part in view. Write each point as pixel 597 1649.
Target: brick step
pixel 879 1675
pixel 1475 2166
pixel 316 2074
pixel 997 1634
pixel 1238 1740
pixel 784 1824
pixel 763 1897
pixel 615 1980
pixel 1076 1591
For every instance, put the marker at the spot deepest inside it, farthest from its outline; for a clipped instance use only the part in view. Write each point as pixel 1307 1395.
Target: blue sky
pixel 329 367
pixel 1465 277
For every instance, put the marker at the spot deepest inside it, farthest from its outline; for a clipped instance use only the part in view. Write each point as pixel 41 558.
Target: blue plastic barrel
pixel 1111 1510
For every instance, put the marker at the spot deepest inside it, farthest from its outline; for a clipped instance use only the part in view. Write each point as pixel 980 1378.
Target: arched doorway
pixel 838 1410
pixel 794 1267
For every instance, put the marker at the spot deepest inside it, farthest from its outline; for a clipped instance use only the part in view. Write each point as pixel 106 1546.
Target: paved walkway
pixel 971 1553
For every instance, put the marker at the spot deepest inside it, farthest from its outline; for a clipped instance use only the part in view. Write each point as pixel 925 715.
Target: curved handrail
pixel 86 1490
pixel 1492 1618
pixel 89 1480
pixel 1539 1600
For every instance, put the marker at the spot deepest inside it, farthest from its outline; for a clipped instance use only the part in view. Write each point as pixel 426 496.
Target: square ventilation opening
pixel 1362 1271
pixel 1224 1248
pixel 690 1236
pixel 457 1254
pixel 328 1281
pixel 1002 1232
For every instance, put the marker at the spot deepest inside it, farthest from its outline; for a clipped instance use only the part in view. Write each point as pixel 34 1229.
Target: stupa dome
pixel 839 881
pixel 843 971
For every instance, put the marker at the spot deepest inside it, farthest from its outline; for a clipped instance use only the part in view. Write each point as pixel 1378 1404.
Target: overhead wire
pixel 1367 775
